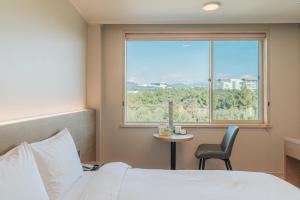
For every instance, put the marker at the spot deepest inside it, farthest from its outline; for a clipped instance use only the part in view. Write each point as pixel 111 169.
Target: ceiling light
pixel 211 6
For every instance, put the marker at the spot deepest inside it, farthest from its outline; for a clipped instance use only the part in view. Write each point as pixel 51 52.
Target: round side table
pixel 173 139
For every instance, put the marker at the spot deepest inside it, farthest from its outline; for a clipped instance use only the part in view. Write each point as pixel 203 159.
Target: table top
pixel 292 147
pixel 174 137
pixel 292 140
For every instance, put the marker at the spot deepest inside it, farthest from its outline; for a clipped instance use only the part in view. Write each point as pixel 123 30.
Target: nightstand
pixel 93 162
pixel 292 160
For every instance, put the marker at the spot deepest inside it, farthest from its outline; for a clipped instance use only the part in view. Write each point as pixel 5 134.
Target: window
pixel 236 75
pixel 211 78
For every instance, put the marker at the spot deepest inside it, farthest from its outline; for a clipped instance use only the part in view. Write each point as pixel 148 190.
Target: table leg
pixel 173 155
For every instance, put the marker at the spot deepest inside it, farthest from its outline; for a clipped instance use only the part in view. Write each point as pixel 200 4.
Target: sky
pixel 188 61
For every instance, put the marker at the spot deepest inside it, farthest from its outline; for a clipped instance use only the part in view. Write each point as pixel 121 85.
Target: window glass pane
pixel 236 80
pixel 162 71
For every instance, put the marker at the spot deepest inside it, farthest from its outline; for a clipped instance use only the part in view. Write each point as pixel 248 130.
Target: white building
pixel 251 84
pixel 236 84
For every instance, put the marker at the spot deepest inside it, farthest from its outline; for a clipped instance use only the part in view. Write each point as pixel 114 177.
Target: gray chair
pixel 219 151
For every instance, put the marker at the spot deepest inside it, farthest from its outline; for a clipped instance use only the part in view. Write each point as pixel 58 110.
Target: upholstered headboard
pixel 81 125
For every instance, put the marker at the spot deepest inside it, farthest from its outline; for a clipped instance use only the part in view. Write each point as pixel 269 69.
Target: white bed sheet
pixel 79 186
pixel 118 181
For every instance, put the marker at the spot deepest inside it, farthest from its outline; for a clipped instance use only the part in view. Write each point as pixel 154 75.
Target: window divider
pixel 211 79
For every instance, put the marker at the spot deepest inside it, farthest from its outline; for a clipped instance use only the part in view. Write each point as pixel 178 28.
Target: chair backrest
pixel 228 140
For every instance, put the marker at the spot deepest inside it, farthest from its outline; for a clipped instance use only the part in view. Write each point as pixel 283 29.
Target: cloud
pixel 136 80
pixel 224 76
pixel 248 76
pixel 181 78
pixel 231 76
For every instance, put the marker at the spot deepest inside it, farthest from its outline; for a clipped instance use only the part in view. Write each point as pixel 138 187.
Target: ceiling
pixel 187 11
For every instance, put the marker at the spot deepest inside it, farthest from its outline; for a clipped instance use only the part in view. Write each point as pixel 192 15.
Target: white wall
pixel 255 149
pixel 42 58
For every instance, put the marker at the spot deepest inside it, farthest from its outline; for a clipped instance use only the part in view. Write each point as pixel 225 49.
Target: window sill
pixel 145 125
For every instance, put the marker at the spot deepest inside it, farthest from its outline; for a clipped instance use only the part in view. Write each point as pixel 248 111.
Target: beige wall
pixel 93 77
pixel 255 149
pixel 42 58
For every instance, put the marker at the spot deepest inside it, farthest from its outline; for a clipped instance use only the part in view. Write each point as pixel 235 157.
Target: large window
pixel 236 67
pixel 211 78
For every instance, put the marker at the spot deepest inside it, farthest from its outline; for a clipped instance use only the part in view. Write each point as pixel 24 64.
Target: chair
pixel 219 151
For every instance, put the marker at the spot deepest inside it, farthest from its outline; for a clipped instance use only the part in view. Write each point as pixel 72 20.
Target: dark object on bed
pixel 219 151
pixel 87 167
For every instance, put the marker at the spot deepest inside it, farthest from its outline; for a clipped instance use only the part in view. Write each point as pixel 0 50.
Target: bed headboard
pixel 81 124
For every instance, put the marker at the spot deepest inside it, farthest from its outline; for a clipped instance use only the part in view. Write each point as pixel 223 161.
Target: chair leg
pixel 226 164
pixel 229 164
pixel 200 163
pixel 203 163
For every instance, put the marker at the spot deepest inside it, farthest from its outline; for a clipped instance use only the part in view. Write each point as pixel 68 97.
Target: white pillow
pixel 19 176
pixel 58 163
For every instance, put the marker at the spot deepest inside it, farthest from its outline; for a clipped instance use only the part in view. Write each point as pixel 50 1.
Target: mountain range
pixel 133 86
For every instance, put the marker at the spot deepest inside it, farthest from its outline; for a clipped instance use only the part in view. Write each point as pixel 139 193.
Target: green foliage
pixel 235 104
pixel 191 105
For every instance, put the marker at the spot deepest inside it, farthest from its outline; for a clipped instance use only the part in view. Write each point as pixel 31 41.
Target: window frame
pixel 264 103
pixel 260 88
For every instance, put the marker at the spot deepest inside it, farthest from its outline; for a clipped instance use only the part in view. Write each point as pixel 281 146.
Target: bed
pixel 119 181
pixel 113 181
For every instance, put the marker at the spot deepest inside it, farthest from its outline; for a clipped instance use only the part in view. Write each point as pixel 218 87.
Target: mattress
pixel 118 181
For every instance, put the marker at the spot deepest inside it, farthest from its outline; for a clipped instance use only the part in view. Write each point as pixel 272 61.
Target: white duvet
pixel 118 181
